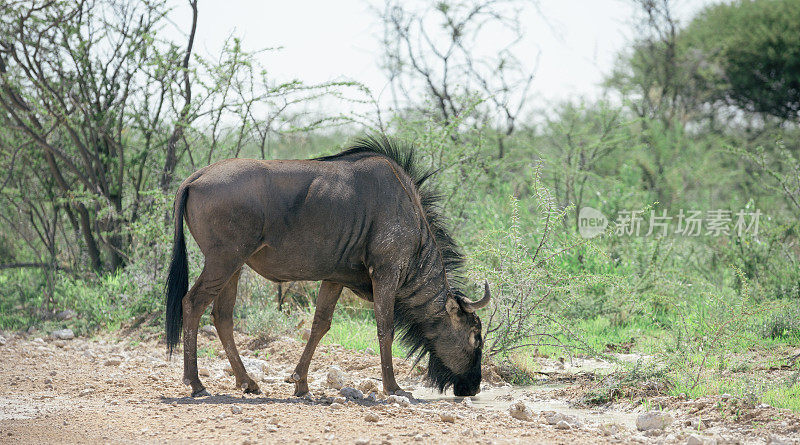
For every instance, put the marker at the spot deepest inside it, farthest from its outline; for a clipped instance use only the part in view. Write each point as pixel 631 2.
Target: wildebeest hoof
pixel 201 393
pixel 400 392
pixel 250 387
pixel 294 378
pixel 301 392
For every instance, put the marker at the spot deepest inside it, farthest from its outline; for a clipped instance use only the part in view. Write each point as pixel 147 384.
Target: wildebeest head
pixel 455 346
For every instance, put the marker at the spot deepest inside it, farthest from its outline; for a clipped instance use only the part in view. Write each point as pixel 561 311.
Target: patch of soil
pixel 106 390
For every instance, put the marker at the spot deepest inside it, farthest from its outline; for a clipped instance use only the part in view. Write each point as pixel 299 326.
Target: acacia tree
pixel 107 110
pixel 69 73
pixel 436 49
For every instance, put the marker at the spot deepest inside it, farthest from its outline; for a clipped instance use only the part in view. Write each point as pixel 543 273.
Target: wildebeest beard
pixel 414 323
pixel 441 377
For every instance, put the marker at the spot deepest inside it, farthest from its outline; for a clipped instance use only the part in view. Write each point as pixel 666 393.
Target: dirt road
pixel 104 390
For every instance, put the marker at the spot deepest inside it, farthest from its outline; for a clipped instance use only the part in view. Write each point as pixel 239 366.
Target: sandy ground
pixel 106 390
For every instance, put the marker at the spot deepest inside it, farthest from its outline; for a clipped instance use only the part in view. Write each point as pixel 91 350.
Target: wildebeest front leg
pixel 223 321
pixel 383 291
pixel 326 302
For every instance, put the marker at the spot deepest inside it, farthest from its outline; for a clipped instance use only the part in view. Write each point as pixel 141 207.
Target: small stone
pixel 372 417
pixel 653 433
pixel 203 372
pixel 336 405
pixel 775 440
pixel 367 386
pixel 351 393
pixel 553 418
pixel 447 417
pixel 306 334
pixel 563 425
pixel 519 410
pixel 369 351
pixel 400 400
pixel 65 315
pixel 209 330
pixel 85 392
pixel 114 361
pixel 63 334
pixel 362 441
pixel 653 420
pixel 335 378
pixel 272 428
pixel 694 440
pixel 236 409
pixel 609 429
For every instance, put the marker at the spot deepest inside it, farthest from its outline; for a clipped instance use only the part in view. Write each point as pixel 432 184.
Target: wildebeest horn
pixel 472 306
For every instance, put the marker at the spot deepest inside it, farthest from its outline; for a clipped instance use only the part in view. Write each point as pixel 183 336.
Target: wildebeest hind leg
pixel 210 282
pixel 326 302
pixel 223 321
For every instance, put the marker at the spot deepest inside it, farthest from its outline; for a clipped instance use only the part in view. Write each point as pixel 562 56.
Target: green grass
pixel 357 333
pixel 784 397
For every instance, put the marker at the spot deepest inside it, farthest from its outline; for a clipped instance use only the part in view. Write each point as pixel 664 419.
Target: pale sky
pixel 576 41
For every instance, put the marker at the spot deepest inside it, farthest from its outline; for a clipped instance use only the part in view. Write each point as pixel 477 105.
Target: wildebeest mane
pixel 413 321
pixel 404 156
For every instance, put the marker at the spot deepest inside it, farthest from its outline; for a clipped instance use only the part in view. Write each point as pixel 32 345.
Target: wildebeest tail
pixel 178 278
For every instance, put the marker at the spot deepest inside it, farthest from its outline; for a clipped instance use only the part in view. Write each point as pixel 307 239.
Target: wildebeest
pixel 358 219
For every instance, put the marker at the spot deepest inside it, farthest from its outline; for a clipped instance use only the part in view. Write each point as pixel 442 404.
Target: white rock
pixel 336 405
pixel 400 400
pixel 694 440
pixel 553 418
pixel 235 409
pixel 447 417
pixel 351 393
pixel 372 417
pixel 653 420
pixel 520 410
pixel 63 334
pixel 369 351
pixel 362 441
pixel 563 425
pixel 335 378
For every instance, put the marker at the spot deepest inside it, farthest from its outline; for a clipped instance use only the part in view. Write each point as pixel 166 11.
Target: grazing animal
pixel 358 219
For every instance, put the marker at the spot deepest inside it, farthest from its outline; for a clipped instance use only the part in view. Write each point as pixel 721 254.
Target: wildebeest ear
pixel 452 306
